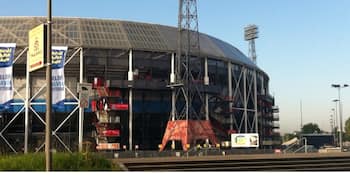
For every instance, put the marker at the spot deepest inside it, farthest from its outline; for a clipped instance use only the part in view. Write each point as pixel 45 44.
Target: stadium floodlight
pixel 339 86
pixel 335 85
pixel 250 32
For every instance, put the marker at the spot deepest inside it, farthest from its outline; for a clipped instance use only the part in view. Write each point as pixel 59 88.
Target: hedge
pixel 60 162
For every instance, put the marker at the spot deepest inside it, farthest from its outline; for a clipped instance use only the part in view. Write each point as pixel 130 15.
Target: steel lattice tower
pixel 187 122
pixel 188 68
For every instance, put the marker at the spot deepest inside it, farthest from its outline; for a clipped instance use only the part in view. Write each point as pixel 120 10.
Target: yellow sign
pixel 37 50
pixel 244 140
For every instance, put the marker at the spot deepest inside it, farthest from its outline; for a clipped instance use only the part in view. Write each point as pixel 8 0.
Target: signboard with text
pixel 37 49
pixel 84 90
pixel 244 140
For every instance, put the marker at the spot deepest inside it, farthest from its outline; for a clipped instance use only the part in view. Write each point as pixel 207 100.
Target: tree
pixel 310 128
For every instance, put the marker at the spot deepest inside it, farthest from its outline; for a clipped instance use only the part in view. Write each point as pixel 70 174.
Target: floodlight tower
pixel 250 34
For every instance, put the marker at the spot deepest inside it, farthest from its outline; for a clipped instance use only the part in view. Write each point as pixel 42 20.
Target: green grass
pixel 60 162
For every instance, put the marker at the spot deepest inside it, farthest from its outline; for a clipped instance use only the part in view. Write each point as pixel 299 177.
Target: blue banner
pixel 58 86
pixel 7 52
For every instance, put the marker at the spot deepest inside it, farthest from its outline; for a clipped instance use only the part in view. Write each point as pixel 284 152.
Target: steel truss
pixel 188 69
pixel 244 104
pixel 28 104
pixel 7 126
pixel 55 132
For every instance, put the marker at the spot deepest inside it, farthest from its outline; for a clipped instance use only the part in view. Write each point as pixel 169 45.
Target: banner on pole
pixel 7 52
pixel 58 86
pixel 37 51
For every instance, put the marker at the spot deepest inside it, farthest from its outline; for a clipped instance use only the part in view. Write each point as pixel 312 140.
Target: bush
pixel 60 162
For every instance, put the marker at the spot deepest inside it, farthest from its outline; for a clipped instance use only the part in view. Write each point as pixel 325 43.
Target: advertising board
pixel 244 140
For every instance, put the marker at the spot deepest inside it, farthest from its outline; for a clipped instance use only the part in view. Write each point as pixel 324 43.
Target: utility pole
pixel 301 115
pixel 48 154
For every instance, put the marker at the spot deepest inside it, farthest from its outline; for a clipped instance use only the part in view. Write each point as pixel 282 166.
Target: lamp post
pixel 331 122
pixel 48 116
pixel 334 128
pixel 338 86
pixel 336 125
pixel 334 118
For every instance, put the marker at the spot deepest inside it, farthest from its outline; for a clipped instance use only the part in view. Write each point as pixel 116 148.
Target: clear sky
pixel 303 45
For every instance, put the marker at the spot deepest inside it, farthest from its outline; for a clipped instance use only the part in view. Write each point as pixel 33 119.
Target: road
pixel 250 162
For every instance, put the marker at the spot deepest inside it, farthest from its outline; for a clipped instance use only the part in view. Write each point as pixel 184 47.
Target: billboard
pixel 244 140
pixel 7 52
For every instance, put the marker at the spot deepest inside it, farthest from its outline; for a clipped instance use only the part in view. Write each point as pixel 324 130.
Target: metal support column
pixel 305 145
pixel 81 109
pixel 262 86
pixel 245 99
pixel 173 91
pixel 262 92
pixel 27 105
pixel 229 74
pixel 206 83
pixel 130 79
pixel 255 103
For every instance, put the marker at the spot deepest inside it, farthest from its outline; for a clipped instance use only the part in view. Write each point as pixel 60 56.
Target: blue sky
pixel 303 45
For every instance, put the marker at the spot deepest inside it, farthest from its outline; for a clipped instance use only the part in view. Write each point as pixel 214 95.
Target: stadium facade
pixel 239 99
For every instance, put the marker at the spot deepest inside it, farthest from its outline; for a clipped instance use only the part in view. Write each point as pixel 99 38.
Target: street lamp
pixel 334 129
pixel 338 86
pixel 335 110
pixel 331 122
pixel 336 123
pixel 334 118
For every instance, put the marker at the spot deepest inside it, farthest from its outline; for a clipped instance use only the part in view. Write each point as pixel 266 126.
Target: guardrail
pixel 296 147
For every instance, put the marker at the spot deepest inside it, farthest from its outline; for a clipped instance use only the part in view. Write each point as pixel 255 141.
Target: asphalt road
pixel 250 162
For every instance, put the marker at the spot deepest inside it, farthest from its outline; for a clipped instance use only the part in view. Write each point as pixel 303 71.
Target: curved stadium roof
pixel 103 33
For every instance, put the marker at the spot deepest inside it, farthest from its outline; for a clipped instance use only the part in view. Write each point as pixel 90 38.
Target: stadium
pixel 239 98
